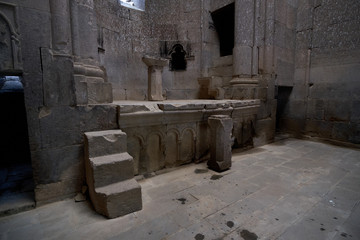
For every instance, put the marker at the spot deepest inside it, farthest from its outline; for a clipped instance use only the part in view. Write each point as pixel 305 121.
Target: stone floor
pixel 292 189
pixel 16 189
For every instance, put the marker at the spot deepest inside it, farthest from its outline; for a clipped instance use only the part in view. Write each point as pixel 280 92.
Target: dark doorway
pixel 224 23
pixel 16 181
pixel 282 96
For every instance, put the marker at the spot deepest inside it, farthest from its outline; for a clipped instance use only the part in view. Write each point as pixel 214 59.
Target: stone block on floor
pixel 118 199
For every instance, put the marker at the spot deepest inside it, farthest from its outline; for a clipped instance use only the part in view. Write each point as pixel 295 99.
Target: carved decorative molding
pixel 10 47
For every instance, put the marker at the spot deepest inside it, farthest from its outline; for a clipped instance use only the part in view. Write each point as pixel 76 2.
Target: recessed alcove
pixel 224 21
pixel 178 60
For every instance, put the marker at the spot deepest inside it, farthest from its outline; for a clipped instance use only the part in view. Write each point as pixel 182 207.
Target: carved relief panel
pixel 10 57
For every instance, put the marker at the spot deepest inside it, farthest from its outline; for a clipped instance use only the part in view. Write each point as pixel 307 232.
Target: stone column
pixel 90 78
pixel 244 53
pixel 155 68
pixel 60 26
pixel 220 142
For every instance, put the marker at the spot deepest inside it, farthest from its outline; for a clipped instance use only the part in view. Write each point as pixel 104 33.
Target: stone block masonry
pixel 109 174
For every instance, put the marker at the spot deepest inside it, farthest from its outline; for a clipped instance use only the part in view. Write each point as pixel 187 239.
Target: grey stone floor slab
pixel 291 189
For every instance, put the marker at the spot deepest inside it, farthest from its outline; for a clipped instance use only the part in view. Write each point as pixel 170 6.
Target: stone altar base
pixel 164 134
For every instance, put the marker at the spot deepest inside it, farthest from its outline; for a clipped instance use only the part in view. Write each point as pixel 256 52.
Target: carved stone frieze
pixel 10 47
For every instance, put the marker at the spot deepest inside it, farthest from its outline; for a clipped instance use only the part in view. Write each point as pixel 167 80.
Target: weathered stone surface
pixel 58 80
pixel 155 81
pixel 118 199
pixel 103 168
pixel 109 174
pixel 220 143
pixel 105 142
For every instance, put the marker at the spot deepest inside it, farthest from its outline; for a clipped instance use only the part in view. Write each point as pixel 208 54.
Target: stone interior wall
pixel 311 46
pixel 324 101
pixel 126 35
pixel 55 121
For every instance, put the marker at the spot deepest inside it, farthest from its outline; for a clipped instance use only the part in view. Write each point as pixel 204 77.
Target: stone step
pixel 103 143
pixel 110 169
pixel 117 199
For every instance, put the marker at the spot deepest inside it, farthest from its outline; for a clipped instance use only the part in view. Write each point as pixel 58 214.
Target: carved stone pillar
pixel 245 53
pixel 220 143
pixel 155 68
pixel 60 26
pixel 91 85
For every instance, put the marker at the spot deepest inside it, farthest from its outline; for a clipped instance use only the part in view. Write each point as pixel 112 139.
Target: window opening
pixel 224 21
pixel 134 4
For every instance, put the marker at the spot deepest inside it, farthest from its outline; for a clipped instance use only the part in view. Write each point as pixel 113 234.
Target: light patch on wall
pixel 134 4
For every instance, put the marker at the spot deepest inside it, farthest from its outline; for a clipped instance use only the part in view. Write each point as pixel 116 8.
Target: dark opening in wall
pixel 15 162
pixel 177 61
pixel 282 95
pixel 224 23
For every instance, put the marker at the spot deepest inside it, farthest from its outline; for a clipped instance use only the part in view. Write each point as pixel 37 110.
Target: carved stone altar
pixel 174 132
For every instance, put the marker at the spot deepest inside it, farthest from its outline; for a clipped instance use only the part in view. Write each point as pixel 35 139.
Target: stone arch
pixel 187 146
pixel 178 60
pixel 154 151
pixel 172 147
pixel 9 47
pixel 136 150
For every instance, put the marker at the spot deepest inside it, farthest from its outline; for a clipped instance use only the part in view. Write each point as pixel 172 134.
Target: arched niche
pixel 177 58
pixel 135 149
pixel 172 149
pixel 187 146
pixel 154 153
pixel 10 57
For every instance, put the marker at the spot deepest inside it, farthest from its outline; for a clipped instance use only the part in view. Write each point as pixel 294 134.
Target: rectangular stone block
pixel 58 79
pixel 220 143
pixel 99 92
pixel 98 117
pixel 103 143
pixel 105 170
pixel 118 199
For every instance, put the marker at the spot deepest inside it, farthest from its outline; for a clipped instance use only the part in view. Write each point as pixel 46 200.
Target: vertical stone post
pixel 155 68
pixel 60 25
pixel 245 54
pixel 220 142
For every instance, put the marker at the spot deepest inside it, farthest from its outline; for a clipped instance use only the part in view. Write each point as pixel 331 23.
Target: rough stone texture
pixel 103 168
pixel 325 86
pixel 105 142
pixel 220 144
pixel 118 199
pixel 170 133
pixel 155 80
pixel 109 174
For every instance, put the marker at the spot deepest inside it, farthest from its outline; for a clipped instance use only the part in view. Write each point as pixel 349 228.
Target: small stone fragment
pixel 80 197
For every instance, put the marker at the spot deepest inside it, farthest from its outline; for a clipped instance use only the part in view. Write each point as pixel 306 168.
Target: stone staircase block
pixel 110 169
pixel 118 199
pixel 103 143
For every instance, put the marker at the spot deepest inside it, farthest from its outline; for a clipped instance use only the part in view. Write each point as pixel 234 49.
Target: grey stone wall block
pixel 54 121
pixel 58 79
pixel 57 164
